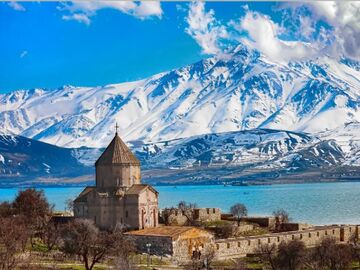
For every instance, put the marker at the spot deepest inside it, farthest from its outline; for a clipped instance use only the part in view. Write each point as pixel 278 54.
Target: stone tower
pixel 118 197
pixel 117 167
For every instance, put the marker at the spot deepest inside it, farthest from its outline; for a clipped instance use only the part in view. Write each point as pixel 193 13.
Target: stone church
pixel 118 197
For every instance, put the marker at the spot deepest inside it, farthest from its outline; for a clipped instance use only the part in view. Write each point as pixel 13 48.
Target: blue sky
pixel 51 44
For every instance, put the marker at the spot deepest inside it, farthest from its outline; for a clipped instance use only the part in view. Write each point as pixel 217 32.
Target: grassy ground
pixel 42 259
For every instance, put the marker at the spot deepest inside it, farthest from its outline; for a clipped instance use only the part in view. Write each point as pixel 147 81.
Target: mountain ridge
pixel 243 91
pixel 251 155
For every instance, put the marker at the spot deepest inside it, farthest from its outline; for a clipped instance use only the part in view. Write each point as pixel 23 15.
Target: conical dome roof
pixel 117 153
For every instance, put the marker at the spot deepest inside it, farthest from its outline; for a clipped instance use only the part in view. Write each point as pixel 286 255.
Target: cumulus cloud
pixel 301 34
pixel 82 11
pixel 307 27
pixel 344 18
pixel 264 34
pixel 80 17
pixel 205 29
pixel 16 6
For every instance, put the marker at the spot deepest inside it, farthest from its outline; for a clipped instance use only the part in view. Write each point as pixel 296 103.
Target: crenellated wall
pixel 207 214
pixel 177 217
pixel 238 247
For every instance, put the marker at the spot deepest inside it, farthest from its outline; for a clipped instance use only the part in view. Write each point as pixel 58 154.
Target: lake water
pixel 323 203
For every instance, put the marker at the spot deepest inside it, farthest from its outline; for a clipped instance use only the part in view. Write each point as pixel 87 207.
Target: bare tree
pixel 183 205
pixel 187 210
pixel 208 255
pixel 268 254
pixel 34 207
pixel 287 256
pixel 12 238
pixel 82 238
pixel 69 205
pixel 291 255
pixel 281 216
pixel 238 210
pixel 51 235
pixel 224 230
pixel 6 209
pixel 32 204
pixel 355 247
pixel 330 255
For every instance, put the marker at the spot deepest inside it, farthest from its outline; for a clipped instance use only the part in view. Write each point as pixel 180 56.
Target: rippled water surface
pixel 324 203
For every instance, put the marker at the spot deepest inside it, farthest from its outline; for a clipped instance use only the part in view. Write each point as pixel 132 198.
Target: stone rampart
pixel 241 246
pixel 177 217
pixel 207 214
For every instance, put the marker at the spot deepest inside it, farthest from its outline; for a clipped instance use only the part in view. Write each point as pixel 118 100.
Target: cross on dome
pixel 116 128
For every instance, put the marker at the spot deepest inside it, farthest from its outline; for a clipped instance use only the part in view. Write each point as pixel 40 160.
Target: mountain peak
pixel 245 90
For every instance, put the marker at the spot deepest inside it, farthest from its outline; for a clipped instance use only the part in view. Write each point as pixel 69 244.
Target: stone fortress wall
pixel 178 218
pixel 207 214
pixel 241 246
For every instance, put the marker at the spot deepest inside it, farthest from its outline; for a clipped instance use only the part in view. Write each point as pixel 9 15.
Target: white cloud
pixel 16 6
pixel 205 29
pixel 306 26
pixel 148 8
pixel 344 17
pixel 263 33
pixel 23 54
pixel 82 11
pixel 82 18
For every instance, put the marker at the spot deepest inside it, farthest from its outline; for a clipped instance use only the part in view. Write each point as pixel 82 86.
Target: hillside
pixel 241 111
pixel 23 161
pixel 243 91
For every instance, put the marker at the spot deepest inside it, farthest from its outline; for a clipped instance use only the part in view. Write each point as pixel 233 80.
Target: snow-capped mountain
pixel 242 91
pixel 221 157
pixel 23 159
pixel 260 148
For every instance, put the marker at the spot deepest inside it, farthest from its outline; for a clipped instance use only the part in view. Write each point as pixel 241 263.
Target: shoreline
pixel 317 204
pixel 207 183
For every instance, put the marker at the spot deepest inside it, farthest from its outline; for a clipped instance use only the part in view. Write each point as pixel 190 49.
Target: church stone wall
pixel 81 209
pixel 115 200
pixel 132 212
pixel 148 209
pixel 101 209
pixel 112 176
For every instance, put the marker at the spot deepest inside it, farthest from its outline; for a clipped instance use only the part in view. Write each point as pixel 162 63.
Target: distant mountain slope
pixel 22 159
pixel 243 91
pixel 258 151
pixel 258 155
pixel 260 148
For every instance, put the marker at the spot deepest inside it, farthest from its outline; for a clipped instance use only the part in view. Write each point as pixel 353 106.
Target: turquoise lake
pixel 323 203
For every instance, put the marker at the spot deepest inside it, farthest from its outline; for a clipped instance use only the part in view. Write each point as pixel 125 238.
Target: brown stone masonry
pixel 238 247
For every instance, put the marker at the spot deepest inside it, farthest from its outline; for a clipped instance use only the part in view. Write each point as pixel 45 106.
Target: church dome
pixel 117 153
